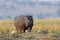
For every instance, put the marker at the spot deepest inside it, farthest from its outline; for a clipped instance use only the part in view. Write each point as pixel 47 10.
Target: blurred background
pixel 40 9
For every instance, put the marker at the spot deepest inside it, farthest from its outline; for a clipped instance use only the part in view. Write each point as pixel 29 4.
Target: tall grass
pixel 50 25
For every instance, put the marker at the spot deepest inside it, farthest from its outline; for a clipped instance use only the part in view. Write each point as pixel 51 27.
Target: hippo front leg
pixel 29 29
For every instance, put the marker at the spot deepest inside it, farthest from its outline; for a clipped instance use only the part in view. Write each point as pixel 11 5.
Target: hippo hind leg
pixel 20 29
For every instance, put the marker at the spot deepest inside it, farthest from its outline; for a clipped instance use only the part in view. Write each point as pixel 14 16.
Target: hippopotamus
pixel 23 23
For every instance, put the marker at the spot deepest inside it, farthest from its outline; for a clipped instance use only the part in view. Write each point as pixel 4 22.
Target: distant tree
pixel 1 17
pixel 30 3
pixel 9 17
pixel 28 14
pixel 48 15
pixel 40 16
pixel 45 3
pixel 58 13
pixel 12 7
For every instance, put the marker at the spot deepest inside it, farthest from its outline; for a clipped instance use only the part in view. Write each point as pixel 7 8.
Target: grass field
pixel 40 26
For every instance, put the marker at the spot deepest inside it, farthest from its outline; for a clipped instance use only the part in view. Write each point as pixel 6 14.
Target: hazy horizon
pixel 39 9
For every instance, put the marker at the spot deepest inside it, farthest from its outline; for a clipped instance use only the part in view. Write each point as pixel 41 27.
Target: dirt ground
pixel 30 36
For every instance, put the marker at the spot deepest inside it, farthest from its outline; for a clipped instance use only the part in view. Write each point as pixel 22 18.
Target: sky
pixel 46 8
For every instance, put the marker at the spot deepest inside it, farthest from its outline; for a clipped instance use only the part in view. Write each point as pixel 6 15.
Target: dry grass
pixel 40 25
pixel 52 25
